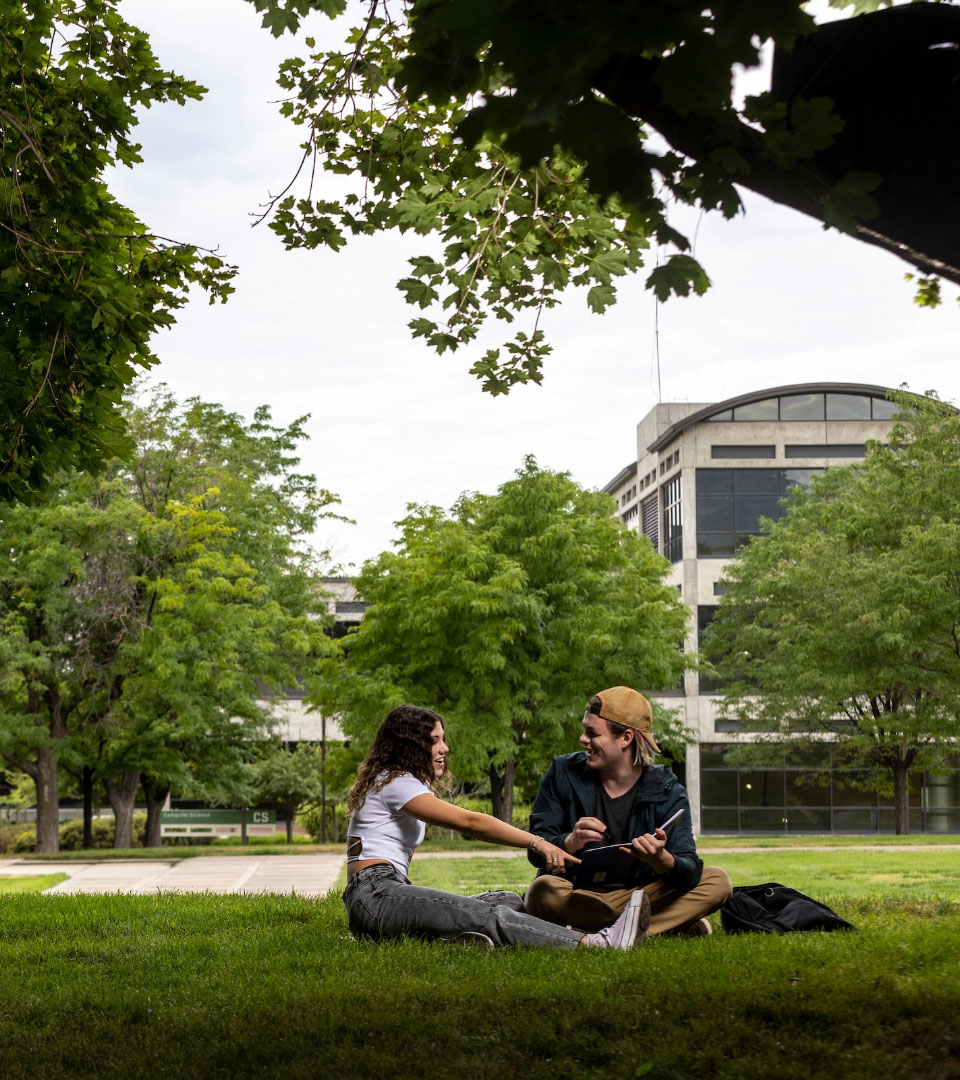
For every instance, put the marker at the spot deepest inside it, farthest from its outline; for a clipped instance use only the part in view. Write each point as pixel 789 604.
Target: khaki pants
pixel 555 899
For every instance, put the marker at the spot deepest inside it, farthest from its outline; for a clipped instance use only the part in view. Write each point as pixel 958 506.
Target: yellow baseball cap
pixel 629 708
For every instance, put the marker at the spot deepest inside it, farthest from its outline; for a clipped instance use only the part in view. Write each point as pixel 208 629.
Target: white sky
pixel 392 423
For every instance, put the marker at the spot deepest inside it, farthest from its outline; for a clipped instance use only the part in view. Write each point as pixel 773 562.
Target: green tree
pixel 529 139
pixel 84 285
pixel 291 780
pixel 148 611
pixel 505 615
pixel 842 623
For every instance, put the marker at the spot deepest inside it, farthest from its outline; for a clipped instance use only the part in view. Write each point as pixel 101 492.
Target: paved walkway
pixel 305 875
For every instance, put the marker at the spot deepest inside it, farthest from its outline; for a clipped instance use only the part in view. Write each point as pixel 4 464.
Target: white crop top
pixel 384 830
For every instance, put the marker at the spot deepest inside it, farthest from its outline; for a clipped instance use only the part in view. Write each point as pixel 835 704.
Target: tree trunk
pixel 290 825
pixel 122 797
pixel 86 783
pixel 901 797
pixel 156 795
pixel 501 791
pixel 44 771
pixel 46 780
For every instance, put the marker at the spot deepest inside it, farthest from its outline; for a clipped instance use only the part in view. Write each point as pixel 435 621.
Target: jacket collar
pixel 654 783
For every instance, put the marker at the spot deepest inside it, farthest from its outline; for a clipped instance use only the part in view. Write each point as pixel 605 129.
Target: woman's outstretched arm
pixel 435 811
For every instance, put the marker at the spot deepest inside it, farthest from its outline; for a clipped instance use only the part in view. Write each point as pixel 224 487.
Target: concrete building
pixel 704 476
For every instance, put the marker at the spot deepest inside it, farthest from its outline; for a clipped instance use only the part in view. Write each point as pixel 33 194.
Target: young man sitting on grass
pixel 609 794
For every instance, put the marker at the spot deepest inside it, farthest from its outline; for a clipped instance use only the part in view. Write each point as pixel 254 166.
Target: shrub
pixel 9 833
pixel 20 839
pixel 71 834
pixel 337 820
pixel 25 841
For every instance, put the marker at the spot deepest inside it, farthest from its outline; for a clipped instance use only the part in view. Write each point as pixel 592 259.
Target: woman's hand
pixel 554 857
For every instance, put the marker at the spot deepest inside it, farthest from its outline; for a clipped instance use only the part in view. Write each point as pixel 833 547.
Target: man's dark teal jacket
pixel 568 792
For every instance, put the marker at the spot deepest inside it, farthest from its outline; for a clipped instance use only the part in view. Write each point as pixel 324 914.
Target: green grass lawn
pixel 451 841
pixel 33 883
pixel 203 986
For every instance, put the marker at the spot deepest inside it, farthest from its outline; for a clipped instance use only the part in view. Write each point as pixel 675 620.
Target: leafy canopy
pixel 542 146
pixel 84 285
pixel 506 614
pixel 144 614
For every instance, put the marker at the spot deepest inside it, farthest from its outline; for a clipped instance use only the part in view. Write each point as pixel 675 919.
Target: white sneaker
pixel 629 930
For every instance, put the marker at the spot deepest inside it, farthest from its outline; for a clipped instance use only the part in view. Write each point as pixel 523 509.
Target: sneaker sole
pixel 470 937
pixel 637 920
pixel 643 919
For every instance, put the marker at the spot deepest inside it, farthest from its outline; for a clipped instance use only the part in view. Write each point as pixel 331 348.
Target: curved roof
pixel 867 389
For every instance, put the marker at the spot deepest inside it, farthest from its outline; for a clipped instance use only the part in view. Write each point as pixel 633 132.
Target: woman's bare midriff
pixel 362 864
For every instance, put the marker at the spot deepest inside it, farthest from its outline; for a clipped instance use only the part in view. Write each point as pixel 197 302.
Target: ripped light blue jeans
pixel 381 903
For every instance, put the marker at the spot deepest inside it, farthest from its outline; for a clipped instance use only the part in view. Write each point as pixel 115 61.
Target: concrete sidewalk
pixel 305 875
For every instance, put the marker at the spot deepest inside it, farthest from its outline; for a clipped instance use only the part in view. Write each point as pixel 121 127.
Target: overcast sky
pixel 392 423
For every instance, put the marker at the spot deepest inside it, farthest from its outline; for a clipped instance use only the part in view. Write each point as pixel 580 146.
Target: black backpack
pixel 775 909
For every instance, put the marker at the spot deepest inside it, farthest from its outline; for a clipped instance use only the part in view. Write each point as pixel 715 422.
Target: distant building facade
pixel 294 723
pixel 704 476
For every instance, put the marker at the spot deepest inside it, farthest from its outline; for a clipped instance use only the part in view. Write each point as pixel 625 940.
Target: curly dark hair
pixel 401 745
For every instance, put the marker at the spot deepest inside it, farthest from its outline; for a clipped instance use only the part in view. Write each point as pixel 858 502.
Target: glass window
pixel 750 508
pixel 757 410
pixel 718 788
pixel 727 414
pixel 943 790
pixel 807 819
pixel 715 545
pixel 829 450
pixel 715 819
pixel 714 481
pixel 846 795
pixel 757 481
pixel 709 684
pixel 883 409
pixel 721 724
pixel 798 478
pixel 713 755
pixel 943 821
pixel 854 820
pixel 672 521
pixel 762 820
pixel 714 513
pixel 801 407
pixel 804 756
pixel 801 792
pixel 762 787
pixel 848 407
pixel 735 451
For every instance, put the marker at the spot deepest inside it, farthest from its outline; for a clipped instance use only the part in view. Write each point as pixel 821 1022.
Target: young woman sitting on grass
pixel 389 803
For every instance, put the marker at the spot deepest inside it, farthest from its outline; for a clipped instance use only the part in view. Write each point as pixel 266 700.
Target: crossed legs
pixel 556 900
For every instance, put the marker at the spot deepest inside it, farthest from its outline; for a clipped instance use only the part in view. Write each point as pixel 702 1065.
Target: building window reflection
pixel 731 502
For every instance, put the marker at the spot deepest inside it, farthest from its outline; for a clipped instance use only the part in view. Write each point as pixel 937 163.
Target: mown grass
pixel 33 883
pixel 201 986
pixel 807 840
pixel 448 841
